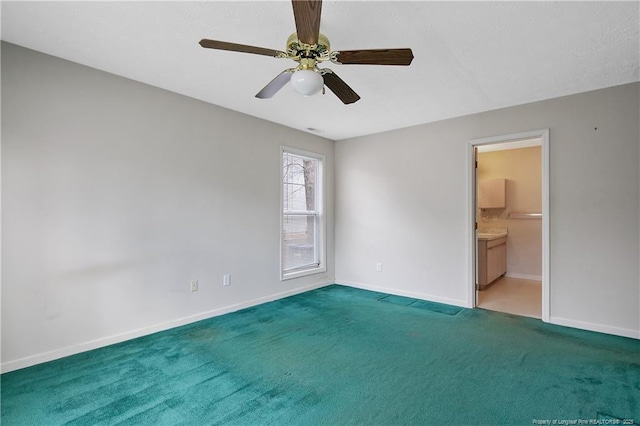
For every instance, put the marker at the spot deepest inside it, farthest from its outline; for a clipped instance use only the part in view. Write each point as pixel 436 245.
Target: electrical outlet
pixel 226 279
pixel 194 285
pixel 379 266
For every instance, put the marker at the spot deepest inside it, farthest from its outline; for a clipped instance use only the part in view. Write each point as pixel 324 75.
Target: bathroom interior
pixel 509 237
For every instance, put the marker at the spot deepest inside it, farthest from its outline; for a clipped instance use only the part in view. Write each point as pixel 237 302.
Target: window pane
pixel 301 217
pixel 299 241
pixel 299 183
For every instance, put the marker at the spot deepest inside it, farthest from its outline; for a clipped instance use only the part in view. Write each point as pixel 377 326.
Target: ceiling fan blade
pixel 375 57
pixel 340 88
pixel 235 47
pixel 307 16
pixel 275 85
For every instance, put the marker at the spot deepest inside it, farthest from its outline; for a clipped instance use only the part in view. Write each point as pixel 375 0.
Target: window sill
pixel 303 273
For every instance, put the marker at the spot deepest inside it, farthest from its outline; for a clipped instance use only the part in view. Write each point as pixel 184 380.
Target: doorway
pixel 498 203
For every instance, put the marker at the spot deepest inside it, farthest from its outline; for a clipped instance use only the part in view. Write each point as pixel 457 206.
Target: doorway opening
pixel 509 223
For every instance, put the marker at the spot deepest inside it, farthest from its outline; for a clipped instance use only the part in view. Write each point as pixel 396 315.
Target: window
pixel 302 246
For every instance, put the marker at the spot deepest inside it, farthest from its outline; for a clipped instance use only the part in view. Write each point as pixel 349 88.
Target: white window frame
pixel 320 223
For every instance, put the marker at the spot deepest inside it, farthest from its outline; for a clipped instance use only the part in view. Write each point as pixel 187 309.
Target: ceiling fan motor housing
pixel 315 52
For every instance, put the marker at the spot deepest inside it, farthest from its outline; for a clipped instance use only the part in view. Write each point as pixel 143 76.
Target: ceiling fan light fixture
pixel 307 82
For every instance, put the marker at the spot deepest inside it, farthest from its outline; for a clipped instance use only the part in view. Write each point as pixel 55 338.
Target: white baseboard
pixel 616 331
pixel 396 292
pixel 607 329
pixel 524 276
pixel 29 361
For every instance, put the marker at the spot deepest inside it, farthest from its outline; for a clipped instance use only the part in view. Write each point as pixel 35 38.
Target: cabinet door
pixel 503 259
pixel 492 194
pixel 496 262
pixel 482 263
pixel 492 263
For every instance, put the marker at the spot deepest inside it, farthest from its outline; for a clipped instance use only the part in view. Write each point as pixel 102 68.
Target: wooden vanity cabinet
pixel 492 260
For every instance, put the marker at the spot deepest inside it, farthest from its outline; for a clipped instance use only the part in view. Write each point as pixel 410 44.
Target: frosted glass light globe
pixel 307 82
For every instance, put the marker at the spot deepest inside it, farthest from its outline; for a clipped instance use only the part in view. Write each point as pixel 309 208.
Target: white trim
pixel 396 292
pixel 617 331
pixel 471 222
pixel 525 143
pixel 546 256
pixel 523 276
pixel 321 202
pixel 302 273
pixel 110 340
pixel 541 134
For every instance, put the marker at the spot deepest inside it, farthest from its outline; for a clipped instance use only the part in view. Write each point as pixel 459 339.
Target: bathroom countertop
pixel 492 233
pixel 488 237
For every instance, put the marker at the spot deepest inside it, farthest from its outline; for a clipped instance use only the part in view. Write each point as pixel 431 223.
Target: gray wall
pixel 401 199
pixel 116 194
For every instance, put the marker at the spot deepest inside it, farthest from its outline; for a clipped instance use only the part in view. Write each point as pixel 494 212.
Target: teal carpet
pixel 339 356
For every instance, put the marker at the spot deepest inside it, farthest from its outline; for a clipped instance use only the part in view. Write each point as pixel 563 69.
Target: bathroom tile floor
pixel 513 296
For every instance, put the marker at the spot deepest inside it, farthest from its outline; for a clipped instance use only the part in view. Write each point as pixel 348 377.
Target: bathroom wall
pixel 522 168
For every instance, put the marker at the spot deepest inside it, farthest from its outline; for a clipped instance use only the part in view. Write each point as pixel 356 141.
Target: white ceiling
pixel 469 57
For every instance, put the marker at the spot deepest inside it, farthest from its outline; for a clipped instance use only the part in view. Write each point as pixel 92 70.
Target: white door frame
pixel 471 219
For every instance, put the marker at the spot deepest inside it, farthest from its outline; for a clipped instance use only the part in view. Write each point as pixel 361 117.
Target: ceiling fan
pixel 309 47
